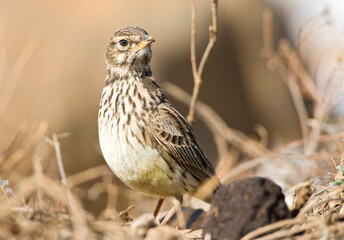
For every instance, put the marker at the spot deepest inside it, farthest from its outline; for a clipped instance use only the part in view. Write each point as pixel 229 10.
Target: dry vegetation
pixel 37 203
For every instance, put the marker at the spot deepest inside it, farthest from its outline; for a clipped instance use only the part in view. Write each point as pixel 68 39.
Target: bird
pixel 145 141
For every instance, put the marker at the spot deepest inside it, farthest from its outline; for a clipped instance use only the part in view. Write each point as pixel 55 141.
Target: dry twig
pixel 197 72
pixel 79 220
pixel 88 174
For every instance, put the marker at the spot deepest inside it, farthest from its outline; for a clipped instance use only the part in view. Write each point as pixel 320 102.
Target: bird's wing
pixel 174 134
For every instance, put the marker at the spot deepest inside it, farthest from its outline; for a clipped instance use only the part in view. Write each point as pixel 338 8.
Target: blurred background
pixel 64 76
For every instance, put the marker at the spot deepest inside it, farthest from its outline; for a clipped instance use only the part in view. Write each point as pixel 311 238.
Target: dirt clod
pixel 243 206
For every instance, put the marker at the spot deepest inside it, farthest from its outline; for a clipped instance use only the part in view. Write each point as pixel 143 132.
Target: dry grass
pixel 36 203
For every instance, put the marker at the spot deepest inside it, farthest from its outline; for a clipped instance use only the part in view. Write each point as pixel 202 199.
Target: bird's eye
pixel 123 42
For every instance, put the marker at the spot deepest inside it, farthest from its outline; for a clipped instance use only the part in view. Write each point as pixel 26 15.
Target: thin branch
pixel 59 159
pixel 319 115
pixel 212 38
pixel 271 227
pixel 197 73
pixel 40 152
pixel 299 105
pixel 296 65
pixel 79 223
pixel 88 174
pixel 193 41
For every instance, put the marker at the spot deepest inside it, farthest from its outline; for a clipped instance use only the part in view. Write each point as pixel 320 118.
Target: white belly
pixel 138 165
pixel 142 169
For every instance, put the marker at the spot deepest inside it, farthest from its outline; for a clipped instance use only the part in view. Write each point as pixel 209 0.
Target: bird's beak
pixel 145 43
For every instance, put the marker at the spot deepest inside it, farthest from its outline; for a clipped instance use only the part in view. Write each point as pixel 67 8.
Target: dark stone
pixel 240 207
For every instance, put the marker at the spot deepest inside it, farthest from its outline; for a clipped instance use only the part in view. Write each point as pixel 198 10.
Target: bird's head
pixel 129 48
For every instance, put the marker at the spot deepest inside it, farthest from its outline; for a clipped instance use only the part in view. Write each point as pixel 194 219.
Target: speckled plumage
pixel 146 142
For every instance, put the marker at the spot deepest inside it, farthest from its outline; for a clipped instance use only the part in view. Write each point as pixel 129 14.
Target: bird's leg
pixel 177 202
pixel 169 215
pixel 158 206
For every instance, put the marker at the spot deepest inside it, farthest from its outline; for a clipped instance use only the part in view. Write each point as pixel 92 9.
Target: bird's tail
pixel 206 191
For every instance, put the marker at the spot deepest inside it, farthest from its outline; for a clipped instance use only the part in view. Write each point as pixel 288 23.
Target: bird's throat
pixel 122 73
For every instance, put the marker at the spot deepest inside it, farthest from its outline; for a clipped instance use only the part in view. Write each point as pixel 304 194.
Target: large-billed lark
pixel 146 142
